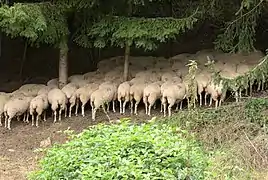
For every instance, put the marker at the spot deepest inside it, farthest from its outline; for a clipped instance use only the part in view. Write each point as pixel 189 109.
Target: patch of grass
pixel 236 135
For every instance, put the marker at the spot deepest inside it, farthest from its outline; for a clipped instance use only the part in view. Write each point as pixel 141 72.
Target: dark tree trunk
pixel 126 65
pixel 63 64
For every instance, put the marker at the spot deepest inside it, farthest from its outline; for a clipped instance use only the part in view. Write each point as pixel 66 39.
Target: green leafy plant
pixel 255 110
pixel 126 151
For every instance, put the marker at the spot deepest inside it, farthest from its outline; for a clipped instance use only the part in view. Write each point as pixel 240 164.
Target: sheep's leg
pixel 70 110
pixel 136 107
pixel 6 117
pixel 220 102
pixel 210 101
pixel 45 114
pixel 250 89
pixel 27 117
pixel 181 105
pixel 169 109
pixel 263 83
pixel 259 86
pixel 246 91
pixel 83 110
pixel 149 109
pixel 108 106
pixel 216 104
pixel 236 96
pixel 161 107
pixel 177 107
pixel 24 117
pixel 94 114
pixel 103 108
pixel 240 93
pixel 8 123
pixel 37 119
pixel 120 106
pixel 1 120
pixel 155 106
pixel 32 120
pixel 146 108
pixel 76 107
pixel 188 102
pixel 114 107
pixel 200 99
pixel 124 106
pixel 55 116
pixel 65 111
pixel 165 107
pixel 131 106
pixel 60 111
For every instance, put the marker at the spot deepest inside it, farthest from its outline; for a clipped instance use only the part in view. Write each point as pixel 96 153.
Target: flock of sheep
pixel 150 79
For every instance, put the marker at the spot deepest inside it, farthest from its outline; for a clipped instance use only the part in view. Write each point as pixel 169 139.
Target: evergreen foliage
pixel 36 22
pixel 143 33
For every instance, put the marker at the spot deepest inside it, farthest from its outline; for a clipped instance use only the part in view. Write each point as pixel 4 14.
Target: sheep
pixel 99 98
pixel 151 93
pixel 114 86
pixel 39 104
pixel 83 94
pixel 56 98
pixel 53 83
pixel 216 91
pixel 202 79
pixel 69 89
pixel 123 93
pixel 172 94
pixel 3 100
pixel 31 89
pixel 44 90
pixel 75 78
pixel 16 107
pixel 136 93
pixel 166 84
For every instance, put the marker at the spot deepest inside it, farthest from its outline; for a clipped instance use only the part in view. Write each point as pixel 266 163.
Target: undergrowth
pixel 125 151
pixel 236 135
pixel 230 142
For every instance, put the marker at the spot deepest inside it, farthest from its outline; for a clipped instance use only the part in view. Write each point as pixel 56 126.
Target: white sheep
pixel 202 79
pixel 216 91
pixel 56 98
pixel 113 85
pixel 151 93
pixel 44 90
pixel 83 94
pixel 4 97
pixel 99 98
pixel 174 93
pixel 16 107
pixel 172 81
pixel 53 83
pixel 69 90
pixel 38 104
pixel 123 94
pixel 136 93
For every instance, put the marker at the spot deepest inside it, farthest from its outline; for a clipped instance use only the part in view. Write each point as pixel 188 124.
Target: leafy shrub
pixel 256 111
pixel 125 151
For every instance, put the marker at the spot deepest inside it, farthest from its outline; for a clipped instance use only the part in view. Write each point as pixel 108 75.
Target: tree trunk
pixel 63 64
pixel 126 65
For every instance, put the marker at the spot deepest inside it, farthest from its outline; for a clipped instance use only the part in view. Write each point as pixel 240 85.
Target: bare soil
pixel 17 156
